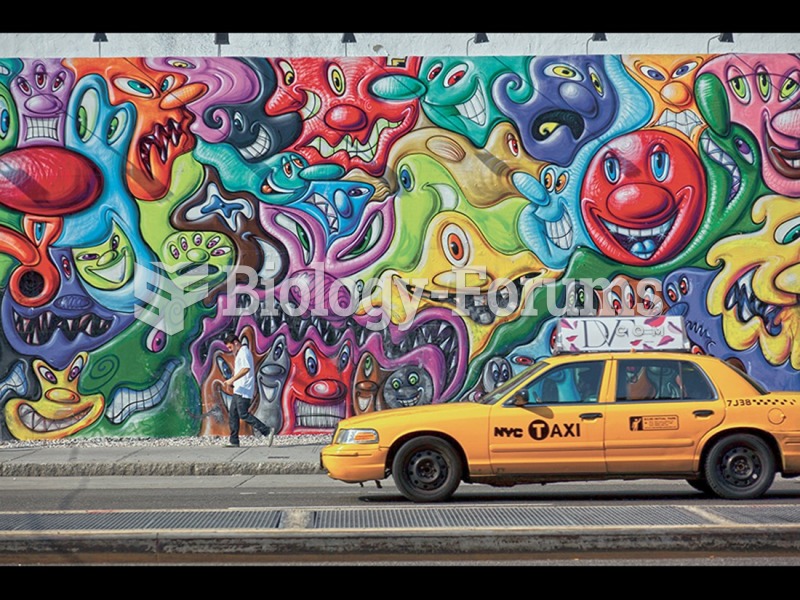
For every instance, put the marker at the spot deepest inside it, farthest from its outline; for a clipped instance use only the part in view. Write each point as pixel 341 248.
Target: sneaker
pixel 232 445
pixel 270 437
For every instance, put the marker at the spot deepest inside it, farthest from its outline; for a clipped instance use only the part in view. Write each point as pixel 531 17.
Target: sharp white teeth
pixel 311 107
pixel 350 145
pixel 684 121
pixel 560 232
pixel 474 109
pixel 33 421
pixel 38 127
pixel 127 401
pixel 259 147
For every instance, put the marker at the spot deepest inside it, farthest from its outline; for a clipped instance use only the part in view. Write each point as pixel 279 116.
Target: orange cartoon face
pixel 757 292
pixel 162 119
pixel 60 411
pixel 670 81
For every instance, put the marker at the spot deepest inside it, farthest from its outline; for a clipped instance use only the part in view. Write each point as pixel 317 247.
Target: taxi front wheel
pixel 740 467
pixel 427 469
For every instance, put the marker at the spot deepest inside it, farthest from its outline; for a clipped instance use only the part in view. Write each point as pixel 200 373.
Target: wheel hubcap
pixel 427 470
pixel 741 467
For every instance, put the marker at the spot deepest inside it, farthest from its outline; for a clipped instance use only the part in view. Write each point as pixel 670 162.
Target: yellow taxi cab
pixel 587 413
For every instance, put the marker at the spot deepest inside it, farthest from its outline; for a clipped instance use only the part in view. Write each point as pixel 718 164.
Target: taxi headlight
pixel 356 436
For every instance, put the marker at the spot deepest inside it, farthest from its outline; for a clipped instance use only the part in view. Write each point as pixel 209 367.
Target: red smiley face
pixel 643 197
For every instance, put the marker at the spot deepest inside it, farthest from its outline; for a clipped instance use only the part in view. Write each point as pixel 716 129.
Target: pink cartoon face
pixel 763 93
pixel 343 122
pixel 643 197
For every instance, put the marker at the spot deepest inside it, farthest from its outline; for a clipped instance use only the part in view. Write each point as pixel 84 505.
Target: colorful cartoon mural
pixel 382 231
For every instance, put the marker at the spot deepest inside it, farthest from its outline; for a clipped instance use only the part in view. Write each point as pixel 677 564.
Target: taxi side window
pixel 695 385
pixel 578 382
pixel 657 379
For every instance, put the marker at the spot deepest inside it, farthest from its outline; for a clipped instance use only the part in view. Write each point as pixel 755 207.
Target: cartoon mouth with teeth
pixel 757 292
pixel 643 197
pixel 60 411
pixel 459 270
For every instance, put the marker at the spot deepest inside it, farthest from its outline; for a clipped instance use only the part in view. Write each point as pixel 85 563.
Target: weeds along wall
pixel 382 232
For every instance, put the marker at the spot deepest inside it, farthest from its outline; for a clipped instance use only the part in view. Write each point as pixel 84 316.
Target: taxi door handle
pixel 703 413
pixel 591 416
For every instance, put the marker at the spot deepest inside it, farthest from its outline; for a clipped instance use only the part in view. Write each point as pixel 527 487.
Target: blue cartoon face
pixel 337 205
pixel 103 132
pixel 570 100
pixel 72 322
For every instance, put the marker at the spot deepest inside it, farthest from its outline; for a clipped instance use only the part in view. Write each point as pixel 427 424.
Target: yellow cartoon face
pixel 459 269
pixel 670 81
pixel 107 266
pixel 757 292
pixel 60 411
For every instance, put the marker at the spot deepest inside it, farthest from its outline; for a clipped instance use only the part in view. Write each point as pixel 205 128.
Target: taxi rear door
pixel 652 422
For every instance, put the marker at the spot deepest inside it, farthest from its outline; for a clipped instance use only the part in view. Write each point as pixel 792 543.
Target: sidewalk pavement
pixel 253 457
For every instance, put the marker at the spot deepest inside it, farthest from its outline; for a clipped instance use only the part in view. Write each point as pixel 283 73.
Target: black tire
pixel 427 469
pixel 740 467
pixel 701 485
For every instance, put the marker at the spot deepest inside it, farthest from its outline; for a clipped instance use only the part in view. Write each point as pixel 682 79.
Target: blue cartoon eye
pixel 684 69
pixel 134 86
pixel 167 83
pixel 495 373
pixel 278 351
pixel 611 169
pixel 224 368
pixel 312 364
pixel 745 150
pixel 344 357
pixel 38 232
pixel 651 73
pixel 5 118
pixel 659 164
pixel 406 180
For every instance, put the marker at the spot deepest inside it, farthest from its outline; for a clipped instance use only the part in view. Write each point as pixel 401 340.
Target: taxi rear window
pixel 662 379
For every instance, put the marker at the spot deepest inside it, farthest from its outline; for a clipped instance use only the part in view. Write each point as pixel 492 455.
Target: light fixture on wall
pixel 99 38
pixel 379 49
pixel 348 38
pixel 725 38
pixel 221 39
pixel 596 37
pixel 478 38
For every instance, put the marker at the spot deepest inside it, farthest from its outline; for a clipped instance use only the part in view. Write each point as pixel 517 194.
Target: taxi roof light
pixel 621 334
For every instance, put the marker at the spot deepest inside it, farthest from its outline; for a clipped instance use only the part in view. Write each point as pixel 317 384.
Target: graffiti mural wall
pixel 383 232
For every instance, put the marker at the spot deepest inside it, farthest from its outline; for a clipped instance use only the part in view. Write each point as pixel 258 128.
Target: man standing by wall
pixel 242 387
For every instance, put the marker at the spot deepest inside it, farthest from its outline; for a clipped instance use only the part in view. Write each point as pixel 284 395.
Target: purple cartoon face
pixel 569 102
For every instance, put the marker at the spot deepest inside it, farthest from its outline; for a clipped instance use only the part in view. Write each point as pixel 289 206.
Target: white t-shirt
pixel 245 385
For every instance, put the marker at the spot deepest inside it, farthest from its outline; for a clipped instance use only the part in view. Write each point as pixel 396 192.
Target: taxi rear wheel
pixel 740 467
pixel 427 469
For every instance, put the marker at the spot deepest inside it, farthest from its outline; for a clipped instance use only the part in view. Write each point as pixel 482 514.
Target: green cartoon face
pixel 145 378
pixel 107 266
pixel 197 258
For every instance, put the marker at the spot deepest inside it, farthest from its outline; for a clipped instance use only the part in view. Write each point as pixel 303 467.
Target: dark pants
pixel 240 410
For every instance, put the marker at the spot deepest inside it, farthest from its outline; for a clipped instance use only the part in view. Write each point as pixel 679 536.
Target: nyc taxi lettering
pixel 652 423
pixel 540 430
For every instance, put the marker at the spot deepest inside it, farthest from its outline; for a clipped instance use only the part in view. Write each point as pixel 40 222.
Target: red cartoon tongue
pixel 48 181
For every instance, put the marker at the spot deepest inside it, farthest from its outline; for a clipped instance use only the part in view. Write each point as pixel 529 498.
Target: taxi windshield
pixel 502 390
